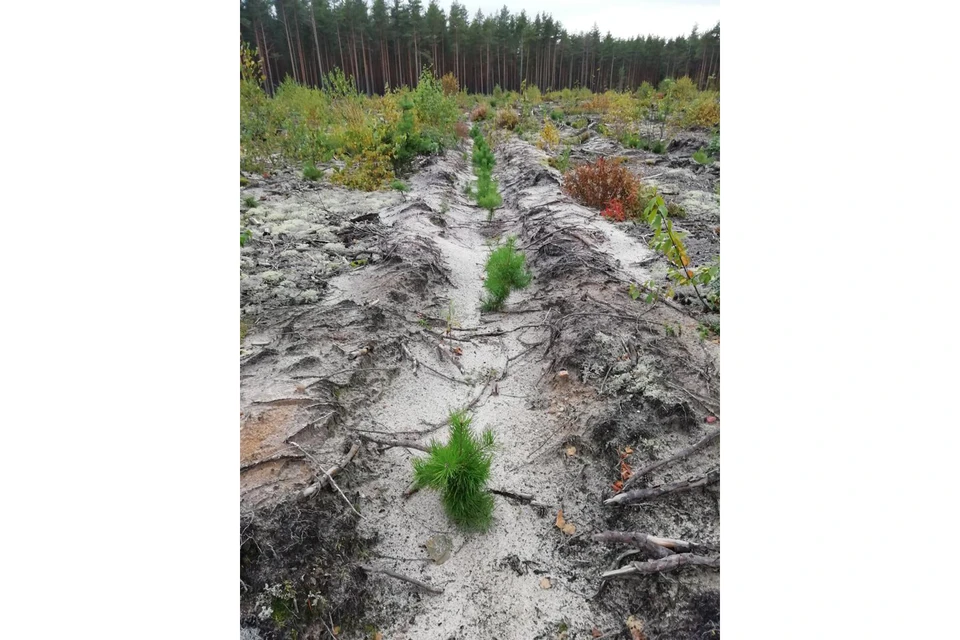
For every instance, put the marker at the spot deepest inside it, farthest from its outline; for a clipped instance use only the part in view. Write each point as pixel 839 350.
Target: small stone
pixel 545 583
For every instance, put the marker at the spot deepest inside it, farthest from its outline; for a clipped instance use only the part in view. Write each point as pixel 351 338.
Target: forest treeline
pixel 388 43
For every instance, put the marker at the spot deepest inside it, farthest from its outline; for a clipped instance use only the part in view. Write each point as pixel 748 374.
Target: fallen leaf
pixel 457 351
pixel 336 630
pixel 628 450
pixel 710 419
pixel 560 520
pixel 545 583
pixel 596 633
pixel 625 470
pixel 571 450
pixel 569 529
pixel 618 485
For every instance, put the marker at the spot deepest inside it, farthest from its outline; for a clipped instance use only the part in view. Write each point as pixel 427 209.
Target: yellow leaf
pixel 569 529
pixel 560 520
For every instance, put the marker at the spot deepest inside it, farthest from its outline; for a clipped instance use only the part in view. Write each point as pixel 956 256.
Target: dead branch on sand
pixel 700 444
pixel 662 565
pixel 393 574
pixel 312 489
pixel 657 546
pixel 638 495
pixel 394 443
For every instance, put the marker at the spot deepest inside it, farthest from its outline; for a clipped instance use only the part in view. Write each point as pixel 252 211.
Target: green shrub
pixel 702 157
pixel 556 115
pixel 658 147
pixel 399 185
pixel 310 171
pixel 561 162
pixel 506 270
pixel 459 470
pixel 245 237
pixel 243 181
pixel 713 148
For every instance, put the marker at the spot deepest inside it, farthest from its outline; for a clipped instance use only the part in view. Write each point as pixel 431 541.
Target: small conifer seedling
pixel 459 470
pixel 506 271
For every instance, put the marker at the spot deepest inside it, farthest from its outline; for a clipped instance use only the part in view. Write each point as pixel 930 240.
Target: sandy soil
pixel 358 306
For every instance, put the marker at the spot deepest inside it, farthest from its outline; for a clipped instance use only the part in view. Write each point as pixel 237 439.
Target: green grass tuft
pixel 506 271
pixel 459 470
pixel 310 172
pixel 249 202
pixel 243 181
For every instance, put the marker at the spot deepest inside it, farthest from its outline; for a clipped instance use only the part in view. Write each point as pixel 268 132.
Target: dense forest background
pixel 386 44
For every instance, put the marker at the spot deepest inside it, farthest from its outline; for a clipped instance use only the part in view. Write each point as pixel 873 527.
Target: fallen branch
pixel 393 574
pixel 653 544
pixel 661 565
pixel 394 443
pixel 521 497
pixel 700 444
pixel 638 495
pixel 312 489
pixel 329 479
pixel 273 458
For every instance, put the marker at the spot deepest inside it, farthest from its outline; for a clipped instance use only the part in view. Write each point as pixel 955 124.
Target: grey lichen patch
pixel 276 216
pixel 289 253
pixel 336 248
pixel 272 277
pixel 310 295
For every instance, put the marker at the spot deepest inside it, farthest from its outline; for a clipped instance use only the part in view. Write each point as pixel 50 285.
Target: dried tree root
pixel 680 454
pixel 654 544
pixel 393 574
pixel 394 443
pixel 638 495
pixel 662 565
pixel 312 489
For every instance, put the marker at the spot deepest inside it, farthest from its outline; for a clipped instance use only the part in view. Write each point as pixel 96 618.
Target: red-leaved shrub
pixel 462 129
pixel 614 211
pixel 595 185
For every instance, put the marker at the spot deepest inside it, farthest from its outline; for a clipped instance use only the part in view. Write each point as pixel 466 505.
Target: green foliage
pixel 459 470
pixel 713 148
pixel 398 185
pixel 506 270
pixel 562 161
pixel 701 157
pixel 669 242
pixel 310 171
pixel 658 147
pixel 487 194
pixel 249 202
pixel 556 115
pixel 245 237
pixel 243 181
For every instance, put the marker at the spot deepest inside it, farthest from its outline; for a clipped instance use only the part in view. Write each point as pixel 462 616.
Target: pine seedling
pixel 506 271
pixel 459 470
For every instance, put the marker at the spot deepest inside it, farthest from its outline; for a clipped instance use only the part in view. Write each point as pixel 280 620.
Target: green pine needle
pixel 459 470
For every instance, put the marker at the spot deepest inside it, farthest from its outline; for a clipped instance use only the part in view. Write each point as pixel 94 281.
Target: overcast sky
pixel 622 18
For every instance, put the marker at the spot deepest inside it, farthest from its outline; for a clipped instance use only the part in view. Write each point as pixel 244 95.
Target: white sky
pixel 622 18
